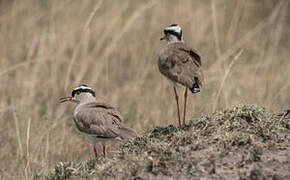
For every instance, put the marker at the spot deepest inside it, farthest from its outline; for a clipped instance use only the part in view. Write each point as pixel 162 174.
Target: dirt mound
pixel 244 142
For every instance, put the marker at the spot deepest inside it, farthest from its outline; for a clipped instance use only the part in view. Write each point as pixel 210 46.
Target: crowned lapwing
pixel 180 64
pixel 99 121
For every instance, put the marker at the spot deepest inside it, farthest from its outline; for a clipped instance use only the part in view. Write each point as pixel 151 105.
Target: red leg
pixel 96 153
pixel 176 98
pixel 104 150
pixel 184 107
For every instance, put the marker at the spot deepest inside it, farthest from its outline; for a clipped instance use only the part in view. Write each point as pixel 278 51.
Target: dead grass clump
pixel 216 145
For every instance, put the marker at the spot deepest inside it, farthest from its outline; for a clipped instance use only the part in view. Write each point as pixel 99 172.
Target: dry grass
pixel 49 47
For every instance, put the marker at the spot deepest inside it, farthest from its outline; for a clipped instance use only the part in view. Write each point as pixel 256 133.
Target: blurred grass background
pixel 50 47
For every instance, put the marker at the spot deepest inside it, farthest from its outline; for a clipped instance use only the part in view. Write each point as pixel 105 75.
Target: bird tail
pixel 128 133
pixel 195 88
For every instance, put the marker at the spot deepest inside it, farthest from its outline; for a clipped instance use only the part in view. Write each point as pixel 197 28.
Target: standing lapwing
pixel 99 121
pixel 180 64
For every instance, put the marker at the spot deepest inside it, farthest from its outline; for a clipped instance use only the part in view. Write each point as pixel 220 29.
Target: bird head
pixel 172 33
pixel 80 94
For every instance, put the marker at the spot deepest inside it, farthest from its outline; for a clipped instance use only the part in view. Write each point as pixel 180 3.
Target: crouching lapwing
pixel 99 121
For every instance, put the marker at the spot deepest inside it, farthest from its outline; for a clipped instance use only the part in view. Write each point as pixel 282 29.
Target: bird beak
pixel 64 99
pixel 162 38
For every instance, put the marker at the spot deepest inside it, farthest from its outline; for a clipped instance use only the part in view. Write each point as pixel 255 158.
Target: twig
pixel 15 67
pixel 84 31
pixel 17 132
pixel 225 77
pixel 28 137
pixel 112 46
pixel 27 147
pixel 239 44
pixel 215 29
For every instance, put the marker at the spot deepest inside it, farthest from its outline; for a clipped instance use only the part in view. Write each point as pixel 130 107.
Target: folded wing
pixel 103 121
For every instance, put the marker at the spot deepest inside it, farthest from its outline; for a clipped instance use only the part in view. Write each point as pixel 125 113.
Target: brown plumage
pixel 180 64
pixel 99 121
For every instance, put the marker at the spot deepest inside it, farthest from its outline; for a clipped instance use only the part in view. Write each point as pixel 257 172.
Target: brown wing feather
pixel 110 109
pixel 101 120
pixel 181 64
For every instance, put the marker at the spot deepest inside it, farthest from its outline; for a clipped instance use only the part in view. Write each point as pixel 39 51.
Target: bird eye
pixel 78 92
